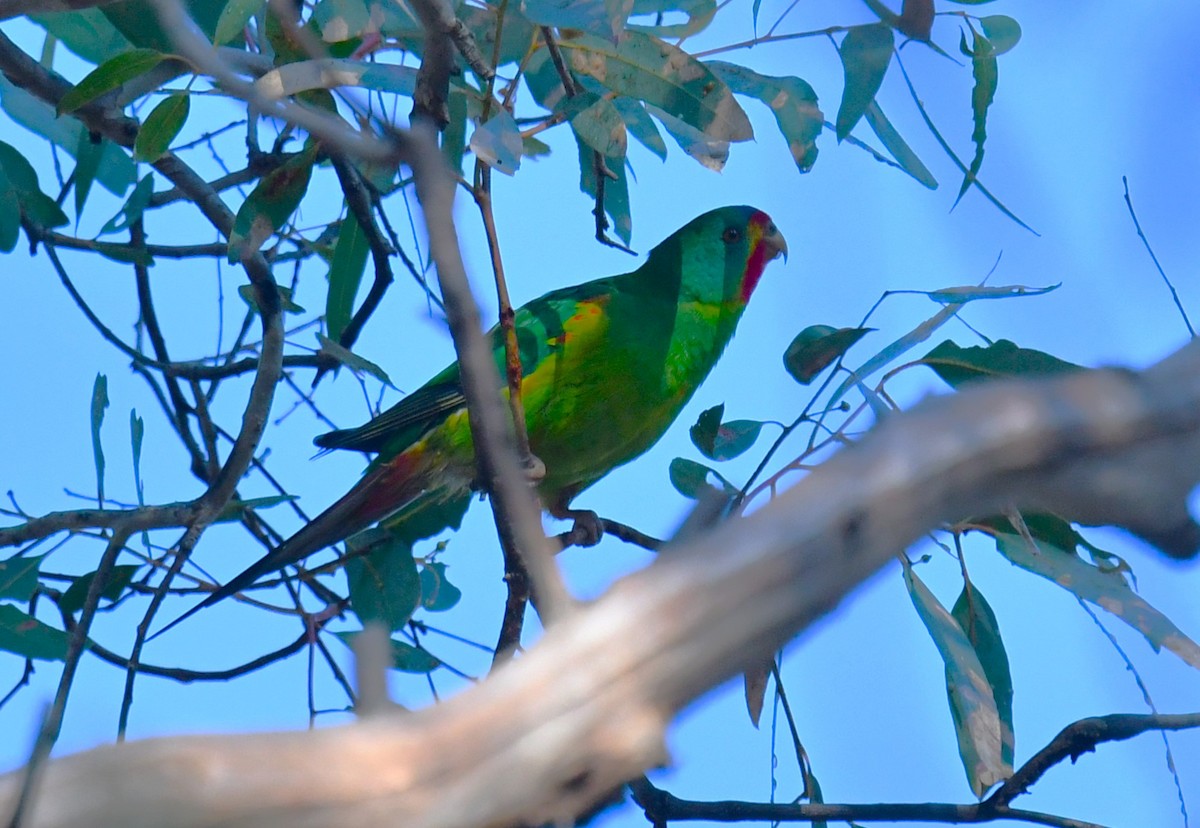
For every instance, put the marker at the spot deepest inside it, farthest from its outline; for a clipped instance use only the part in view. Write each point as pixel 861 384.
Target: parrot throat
pixel 755 264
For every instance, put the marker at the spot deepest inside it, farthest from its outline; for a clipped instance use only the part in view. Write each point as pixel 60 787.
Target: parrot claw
pixel 587 531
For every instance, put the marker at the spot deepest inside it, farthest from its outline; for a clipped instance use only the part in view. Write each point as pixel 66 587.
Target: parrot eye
pixel 731 235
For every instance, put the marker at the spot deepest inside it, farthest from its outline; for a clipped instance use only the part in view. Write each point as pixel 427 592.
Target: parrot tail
pixel 382 492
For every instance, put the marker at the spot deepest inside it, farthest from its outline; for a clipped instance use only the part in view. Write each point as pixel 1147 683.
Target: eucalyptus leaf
pixel 791 100
pixel 161 127
pixel 28 637
pixel 649 69
pixel 350 254
pixel 866 53
pixel 108 76
pixel 497 142
pixel 270 204
pixel 384 583
pixel 958 366
pixel 972 701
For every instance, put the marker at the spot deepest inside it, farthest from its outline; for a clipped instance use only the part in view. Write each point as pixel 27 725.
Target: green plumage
pixel 606 367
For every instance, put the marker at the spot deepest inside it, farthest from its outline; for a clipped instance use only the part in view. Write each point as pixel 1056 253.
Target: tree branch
pixel 528 746
pixel 518 515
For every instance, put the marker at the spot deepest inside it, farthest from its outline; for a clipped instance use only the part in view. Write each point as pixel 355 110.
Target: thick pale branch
pixel 585 709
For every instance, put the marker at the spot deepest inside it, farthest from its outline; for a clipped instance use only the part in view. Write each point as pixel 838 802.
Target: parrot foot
pixel 587 531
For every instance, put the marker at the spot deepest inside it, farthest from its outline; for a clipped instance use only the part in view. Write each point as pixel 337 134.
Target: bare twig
pixel 1145 241
pixel 1082 737
pixel 662 807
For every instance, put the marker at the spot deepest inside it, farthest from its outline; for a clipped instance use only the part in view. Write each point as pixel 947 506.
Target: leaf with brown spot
pixel 271 204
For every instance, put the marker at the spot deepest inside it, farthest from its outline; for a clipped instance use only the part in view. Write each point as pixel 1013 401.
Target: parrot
pixel 606 367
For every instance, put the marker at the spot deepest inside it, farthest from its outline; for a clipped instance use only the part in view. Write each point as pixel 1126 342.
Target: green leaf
pixel 899 149
pixel 86 32
pixel 689 477
pixel 815 794
pixel 600 17
pixel 616 190
pixel 792 101
pixel 108 76
pixel 984 70
pixel 866 53
pixel 24 635
pixel 974 615
pixel 99 403
pixel 270 204
pixel 454 136
pixel 699 14
pixel 76 594
pixel 958 366
pixel 601 127
pixel 970 293
pixel 133 208
pixel 1003 32
pixel 516 34
pixel 704 432
pixel 709 152
pixel 543 81
pixel 137 20
pixel 735 438
pixel 161 127
pixel 972 702
pixel 116 170
pixel 352 360
pixel 642 66
pixel 437 593
pixel 1100 586
pixel 498 142
pixel 1042 527
pixel 87 166
pixel 10 213
pixel 532 147
pixel 817 347
pixel 285 298
pixel 384 584
pixel 409 659
pixel 19 577
pixel 345 275
pixel 137 431
pixel 234 509
pixel 640 125
pixel 34 204
pixel 234 17
pixel 883 12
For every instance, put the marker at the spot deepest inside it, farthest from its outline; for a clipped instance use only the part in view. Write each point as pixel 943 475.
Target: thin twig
pixel 1145 241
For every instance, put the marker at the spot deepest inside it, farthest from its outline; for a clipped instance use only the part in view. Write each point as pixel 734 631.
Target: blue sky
pixel 1085 98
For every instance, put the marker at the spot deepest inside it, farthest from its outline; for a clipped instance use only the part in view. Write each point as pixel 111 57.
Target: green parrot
pixel 606 367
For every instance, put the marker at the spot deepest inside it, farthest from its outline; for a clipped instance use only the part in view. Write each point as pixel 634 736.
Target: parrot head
pixel 721 254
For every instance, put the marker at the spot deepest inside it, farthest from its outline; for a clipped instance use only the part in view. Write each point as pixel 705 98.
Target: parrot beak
pixel 775 241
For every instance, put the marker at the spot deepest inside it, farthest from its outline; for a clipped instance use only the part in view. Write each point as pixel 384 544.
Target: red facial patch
pixel 758 258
